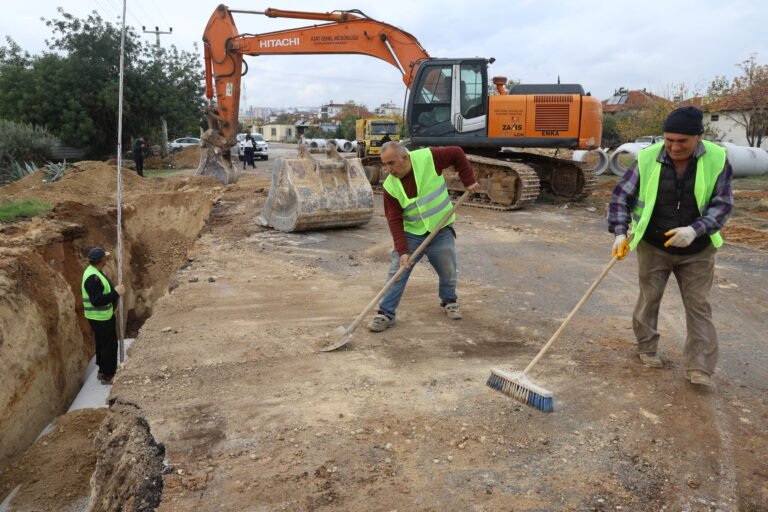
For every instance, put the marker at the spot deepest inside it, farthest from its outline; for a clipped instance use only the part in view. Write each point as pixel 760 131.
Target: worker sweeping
pixel 415 201
pixel 677 198
pixel 99 300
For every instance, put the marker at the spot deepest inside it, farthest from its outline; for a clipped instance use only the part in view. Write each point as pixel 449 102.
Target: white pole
pixel 120 315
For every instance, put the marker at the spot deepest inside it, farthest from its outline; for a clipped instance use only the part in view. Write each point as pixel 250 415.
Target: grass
pixel 12 210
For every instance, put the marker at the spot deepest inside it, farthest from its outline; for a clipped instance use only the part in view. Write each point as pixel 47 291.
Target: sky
pixel 600 44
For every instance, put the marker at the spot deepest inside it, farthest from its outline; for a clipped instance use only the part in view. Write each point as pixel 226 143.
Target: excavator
pixel 450 103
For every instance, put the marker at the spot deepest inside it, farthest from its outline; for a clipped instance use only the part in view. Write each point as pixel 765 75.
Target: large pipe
pixel 602 159
pixel 630 148
pixel 746 161
pixel 346 146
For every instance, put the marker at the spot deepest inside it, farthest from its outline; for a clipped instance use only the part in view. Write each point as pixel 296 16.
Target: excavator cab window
pixel 432 101
pixel 472 91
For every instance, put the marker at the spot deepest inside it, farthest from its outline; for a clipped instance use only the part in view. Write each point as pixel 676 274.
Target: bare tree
pixel 745 99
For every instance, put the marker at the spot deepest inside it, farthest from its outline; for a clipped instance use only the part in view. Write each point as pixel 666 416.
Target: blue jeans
pixel 441 253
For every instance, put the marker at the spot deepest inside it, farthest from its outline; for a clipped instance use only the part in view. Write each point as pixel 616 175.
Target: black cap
pixel 96 254
pixel 685 120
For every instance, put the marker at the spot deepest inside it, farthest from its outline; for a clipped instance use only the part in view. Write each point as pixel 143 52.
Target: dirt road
pixel 252 418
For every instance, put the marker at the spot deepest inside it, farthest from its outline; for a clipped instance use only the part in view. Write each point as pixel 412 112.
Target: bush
pixel 21 142
pixel 10 211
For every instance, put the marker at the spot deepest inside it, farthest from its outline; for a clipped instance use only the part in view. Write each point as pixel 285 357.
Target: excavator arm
pixel 347 32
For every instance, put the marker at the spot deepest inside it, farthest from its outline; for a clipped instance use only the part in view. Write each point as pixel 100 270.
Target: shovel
pixel 345 334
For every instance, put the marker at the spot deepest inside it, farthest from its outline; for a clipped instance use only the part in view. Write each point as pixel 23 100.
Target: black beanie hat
pixel 685 120
pixel 96 254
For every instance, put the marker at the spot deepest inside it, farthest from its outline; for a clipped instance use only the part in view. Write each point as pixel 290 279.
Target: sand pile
pixel 186 158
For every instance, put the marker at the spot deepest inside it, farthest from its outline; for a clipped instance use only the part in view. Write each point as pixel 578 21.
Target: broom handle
pixel 572 314
pixel 411 259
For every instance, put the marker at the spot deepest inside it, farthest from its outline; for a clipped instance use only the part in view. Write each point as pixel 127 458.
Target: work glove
pixel 620 247
pixel 681 237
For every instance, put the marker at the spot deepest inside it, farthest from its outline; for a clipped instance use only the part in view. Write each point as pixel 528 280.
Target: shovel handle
pixel 411 259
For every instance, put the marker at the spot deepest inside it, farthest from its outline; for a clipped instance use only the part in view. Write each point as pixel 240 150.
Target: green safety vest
pixel 708 168
pixel 93 312
pixel 422 214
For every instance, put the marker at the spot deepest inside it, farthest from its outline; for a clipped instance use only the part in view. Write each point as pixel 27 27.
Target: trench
pixel 45 341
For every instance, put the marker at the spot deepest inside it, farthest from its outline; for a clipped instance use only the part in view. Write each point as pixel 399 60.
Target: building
pixel 279 132
pixel 726 118
pixel 624 99
pixel 330 110
pixel 388 110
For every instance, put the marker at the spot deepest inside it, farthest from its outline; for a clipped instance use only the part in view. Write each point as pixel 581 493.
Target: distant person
pixel 139 147
pixel 248 152
pixel 674 201
pixel 415 201
pixel 99 301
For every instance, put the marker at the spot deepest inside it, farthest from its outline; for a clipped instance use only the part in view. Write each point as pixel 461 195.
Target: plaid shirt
pixel 624 197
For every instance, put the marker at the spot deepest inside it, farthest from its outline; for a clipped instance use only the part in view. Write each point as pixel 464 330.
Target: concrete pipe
pixel 317 144
pixel 345 145
pixel 602 159
pixel 746 161
pixel 354 146
pixel 332 142
pixel 631 149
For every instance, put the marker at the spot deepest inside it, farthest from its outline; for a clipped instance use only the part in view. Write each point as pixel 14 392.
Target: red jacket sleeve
pixel 394 213
pixel 453 156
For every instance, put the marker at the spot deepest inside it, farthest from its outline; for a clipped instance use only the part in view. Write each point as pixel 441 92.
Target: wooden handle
pixel 411 259
pixel 572 314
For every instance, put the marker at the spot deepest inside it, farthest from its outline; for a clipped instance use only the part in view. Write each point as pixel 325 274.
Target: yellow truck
pixel 372 133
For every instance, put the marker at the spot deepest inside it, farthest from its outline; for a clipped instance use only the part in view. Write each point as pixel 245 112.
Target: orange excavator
pixel 450 103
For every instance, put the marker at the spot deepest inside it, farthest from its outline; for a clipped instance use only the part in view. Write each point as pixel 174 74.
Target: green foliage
pixel 314 132
pixel 611 135
pixel 54 171
pixel 21 142
pixel 10 211
pixel 74 91
pixel 647 120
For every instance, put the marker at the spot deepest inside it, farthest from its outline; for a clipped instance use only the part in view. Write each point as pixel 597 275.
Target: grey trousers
pixel 694 274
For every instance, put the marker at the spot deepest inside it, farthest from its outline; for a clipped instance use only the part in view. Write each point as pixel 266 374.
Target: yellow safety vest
pixel 708 168
pixel 96 312
pixel 422 214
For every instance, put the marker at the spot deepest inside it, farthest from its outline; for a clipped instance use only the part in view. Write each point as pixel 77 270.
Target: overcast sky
pixel 602 45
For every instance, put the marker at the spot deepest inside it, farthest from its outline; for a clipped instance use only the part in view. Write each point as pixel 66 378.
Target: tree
pixel 73 90
pixel 745 99
pixel 645 120
pixel 348 117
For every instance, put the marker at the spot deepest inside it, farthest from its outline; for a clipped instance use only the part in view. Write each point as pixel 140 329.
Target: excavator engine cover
pixel 312 192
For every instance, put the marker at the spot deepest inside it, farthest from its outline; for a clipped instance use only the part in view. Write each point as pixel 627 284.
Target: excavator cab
pixel 449 101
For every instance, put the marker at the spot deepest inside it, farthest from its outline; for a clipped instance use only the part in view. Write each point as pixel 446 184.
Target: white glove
pixel 681 237
pixel 620 247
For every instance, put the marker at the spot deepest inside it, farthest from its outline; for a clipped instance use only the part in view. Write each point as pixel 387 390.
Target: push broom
pixel 517 384
pixel 345 333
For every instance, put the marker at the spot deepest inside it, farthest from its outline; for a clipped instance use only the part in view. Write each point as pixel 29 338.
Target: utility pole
pixel 164 125
pixel 157 33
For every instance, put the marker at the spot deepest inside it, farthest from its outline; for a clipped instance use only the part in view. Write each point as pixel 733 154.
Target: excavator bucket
pixel 215 159
pixel 317 192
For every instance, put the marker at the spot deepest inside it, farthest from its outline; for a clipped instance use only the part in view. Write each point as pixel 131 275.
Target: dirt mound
pixel 54 473
pixel 186 158
pixel 129 468
pixel 154 163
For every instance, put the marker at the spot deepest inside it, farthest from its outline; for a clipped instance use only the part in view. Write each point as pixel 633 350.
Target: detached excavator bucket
pixel 313 192
pixel 215 159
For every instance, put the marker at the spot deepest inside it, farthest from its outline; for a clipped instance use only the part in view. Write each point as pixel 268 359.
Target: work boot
pixel 452 311
pixel 107 381
pixel 651 360
pixel 380 323
pixel 699 378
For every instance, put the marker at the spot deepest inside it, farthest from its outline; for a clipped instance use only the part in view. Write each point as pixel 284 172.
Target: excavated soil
pixel 45 342
pixel 185 158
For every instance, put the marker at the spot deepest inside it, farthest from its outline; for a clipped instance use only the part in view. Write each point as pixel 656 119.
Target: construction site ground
pixel 227 375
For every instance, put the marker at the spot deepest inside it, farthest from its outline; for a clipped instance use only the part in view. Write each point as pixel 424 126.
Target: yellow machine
pixel 372 133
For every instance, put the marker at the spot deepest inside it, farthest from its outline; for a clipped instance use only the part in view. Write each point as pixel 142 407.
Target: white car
pixel 648 140
pixel 260 146
pixel 183 143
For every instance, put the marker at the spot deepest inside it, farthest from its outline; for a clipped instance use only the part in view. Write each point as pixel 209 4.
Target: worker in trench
pixel 415 200
pixel 99 300
pixel 675 199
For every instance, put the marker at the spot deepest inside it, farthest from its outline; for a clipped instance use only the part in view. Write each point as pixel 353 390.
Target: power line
pixel 160 12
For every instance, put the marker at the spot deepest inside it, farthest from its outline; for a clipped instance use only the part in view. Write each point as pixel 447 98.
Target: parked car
pixel 183 143
pixel 260 146
pixel 648 140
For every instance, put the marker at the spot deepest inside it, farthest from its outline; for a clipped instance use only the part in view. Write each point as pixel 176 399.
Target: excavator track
pixel 562 178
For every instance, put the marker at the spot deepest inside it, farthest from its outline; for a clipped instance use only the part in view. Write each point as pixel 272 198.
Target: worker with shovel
pixel 415 201
pixel 99 300
pixel 676 198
